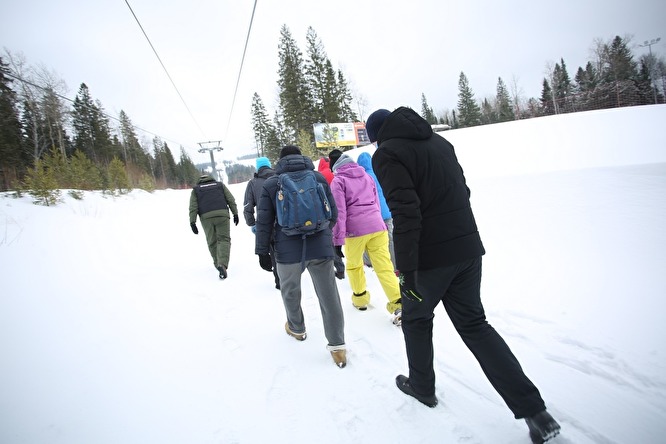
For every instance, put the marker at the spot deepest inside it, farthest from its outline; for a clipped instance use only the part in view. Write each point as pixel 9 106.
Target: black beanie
pixel 333 157
pixel 375 122
pixel 289 149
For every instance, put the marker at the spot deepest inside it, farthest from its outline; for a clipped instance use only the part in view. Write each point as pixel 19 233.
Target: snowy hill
pixel 114 327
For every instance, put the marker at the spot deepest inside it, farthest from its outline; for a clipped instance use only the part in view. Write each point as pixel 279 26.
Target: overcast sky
pixel 389 54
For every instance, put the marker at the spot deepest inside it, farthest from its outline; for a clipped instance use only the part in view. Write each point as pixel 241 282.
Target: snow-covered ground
pixel 114 327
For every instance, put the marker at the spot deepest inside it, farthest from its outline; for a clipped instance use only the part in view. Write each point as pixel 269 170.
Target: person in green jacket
pixel 212 200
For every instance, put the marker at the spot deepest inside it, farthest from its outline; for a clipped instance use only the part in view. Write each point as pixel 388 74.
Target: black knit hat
pixel 333 157
pixel 375 122
pixel 289 149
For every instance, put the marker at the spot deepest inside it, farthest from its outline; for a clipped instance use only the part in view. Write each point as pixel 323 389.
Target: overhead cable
pixel 164 67
pixel 233 101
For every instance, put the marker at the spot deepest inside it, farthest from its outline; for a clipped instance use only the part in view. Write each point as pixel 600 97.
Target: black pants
pixel 458 288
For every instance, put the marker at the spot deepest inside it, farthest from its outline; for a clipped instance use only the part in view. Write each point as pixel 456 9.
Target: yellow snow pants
pixel 377 246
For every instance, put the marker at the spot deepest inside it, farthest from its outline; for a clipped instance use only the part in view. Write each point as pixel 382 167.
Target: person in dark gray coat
pixel 438 252
pixel 293 254
pixel 252 194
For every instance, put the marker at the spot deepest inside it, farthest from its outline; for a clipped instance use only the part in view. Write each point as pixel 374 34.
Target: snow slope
pixel 114 327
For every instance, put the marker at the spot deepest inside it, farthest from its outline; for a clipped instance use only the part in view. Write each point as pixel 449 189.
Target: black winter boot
pixel 542 427
pixel 402 382
pixel 223 271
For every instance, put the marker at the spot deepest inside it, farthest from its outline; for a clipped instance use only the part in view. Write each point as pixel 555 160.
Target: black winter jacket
pixel 253 192
pixel 288 249
pixel 425 188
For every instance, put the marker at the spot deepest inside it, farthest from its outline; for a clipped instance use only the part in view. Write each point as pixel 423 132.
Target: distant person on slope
pixel 252 194
pixel 438 252
pixel 211 201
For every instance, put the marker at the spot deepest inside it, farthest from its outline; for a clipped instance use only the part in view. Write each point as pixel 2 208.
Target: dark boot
pixel 402 382
pixel 223 271
pixel 542 427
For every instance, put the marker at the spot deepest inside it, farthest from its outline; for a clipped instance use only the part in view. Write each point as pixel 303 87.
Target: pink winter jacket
pixel 356 197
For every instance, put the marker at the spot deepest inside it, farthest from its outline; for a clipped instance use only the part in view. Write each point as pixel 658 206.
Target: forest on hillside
pixel 49 141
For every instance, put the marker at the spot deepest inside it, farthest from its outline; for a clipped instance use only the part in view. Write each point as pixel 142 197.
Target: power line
pixel 20 79
pixel 164 67
pixel 247 39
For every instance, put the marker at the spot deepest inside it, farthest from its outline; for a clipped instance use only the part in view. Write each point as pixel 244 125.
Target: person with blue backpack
pixel 296 207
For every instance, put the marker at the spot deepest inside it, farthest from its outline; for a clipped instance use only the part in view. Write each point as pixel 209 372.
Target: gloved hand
pixel 254 229
pixel 265 262
pixel 338 251
pixel 194 228
pixel 236 219
pixel 408 286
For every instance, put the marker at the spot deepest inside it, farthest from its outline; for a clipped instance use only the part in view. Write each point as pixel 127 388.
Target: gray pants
pixel 323 278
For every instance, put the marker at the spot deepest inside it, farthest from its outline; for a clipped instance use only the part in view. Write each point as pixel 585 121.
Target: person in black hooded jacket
pixel 438 254
pixel 250 200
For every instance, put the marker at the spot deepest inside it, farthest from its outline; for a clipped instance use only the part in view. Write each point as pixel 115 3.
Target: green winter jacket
pixel 207 201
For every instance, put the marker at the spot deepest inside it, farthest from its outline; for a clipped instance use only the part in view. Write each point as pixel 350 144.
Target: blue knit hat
pixel 263 162
pixel 375 122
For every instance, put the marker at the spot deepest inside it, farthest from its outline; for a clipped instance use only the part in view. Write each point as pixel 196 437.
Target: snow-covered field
pixel 114 327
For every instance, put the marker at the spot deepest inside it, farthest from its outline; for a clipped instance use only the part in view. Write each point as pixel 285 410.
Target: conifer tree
pixel 488 114
pixel 117 177
pixel 547 107
pixel 345 100
pixel 469 113
pixel 294 94
pixel 426 111
pixel 504 109
pixel 320 78
pixel 187 171
pixel 261 125
pixel 11 154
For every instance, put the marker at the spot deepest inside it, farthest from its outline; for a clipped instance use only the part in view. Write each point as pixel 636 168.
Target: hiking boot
pixel 223 271
pixel 402 382
pixel 397 317
pixel 361 300
pixel 542 427
pixel 339 354
pixel 297 336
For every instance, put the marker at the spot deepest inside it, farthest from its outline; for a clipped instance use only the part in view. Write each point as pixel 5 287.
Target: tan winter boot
pixel 339 354
pixel 297 336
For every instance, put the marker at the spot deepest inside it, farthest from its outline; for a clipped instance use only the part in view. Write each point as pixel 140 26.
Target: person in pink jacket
pixel 360 227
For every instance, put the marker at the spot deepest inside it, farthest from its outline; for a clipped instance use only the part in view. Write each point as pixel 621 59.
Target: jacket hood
pixel 293 162
pixel 323 164
pixel 345 166
pixel 343 160
pixel 265 172
pixel 404 123
pixel 365 160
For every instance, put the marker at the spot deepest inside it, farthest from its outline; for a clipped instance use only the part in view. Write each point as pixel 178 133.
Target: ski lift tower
pixel 210 146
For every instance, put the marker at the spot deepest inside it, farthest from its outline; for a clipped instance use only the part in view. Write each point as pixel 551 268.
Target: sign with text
pixel 328 135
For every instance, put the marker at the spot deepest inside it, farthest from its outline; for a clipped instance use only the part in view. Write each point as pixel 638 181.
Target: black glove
pixel 235 219
pixel 195 230
pixel 265 262
pixel 408 287
pixel 338 251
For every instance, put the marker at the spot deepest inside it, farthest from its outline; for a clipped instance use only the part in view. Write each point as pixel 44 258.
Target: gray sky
pixel 389 53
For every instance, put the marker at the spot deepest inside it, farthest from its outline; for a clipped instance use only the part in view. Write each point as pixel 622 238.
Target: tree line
pixel 310 91
pixel 49 140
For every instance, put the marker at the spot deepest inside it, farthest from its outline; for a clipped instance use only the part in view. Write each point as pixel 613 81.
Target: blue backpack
pixel 301 204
